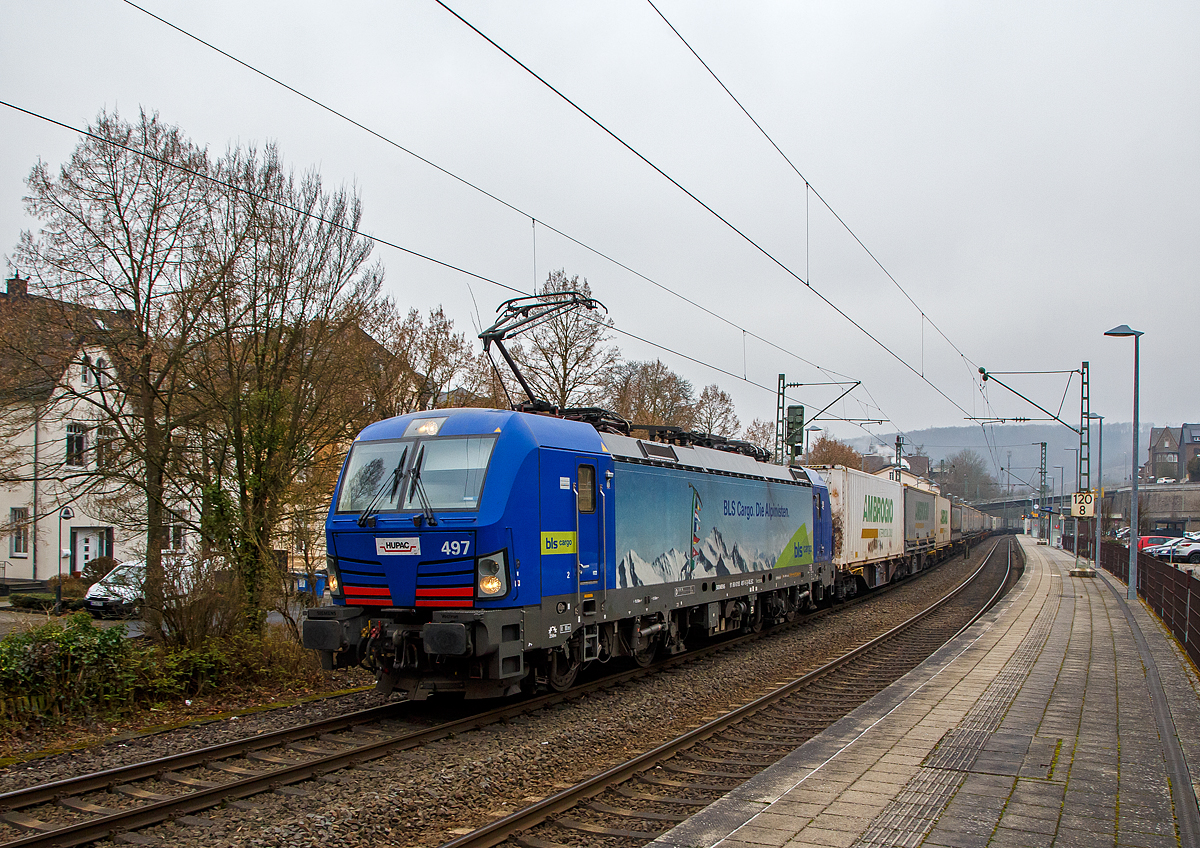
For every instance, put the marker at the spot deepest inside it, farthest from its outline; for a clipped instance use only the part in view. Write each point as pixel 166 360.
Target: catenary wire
pixel 823 369
pixel 809 186
pixel 462 180
pixel 771 257
pixel 373 238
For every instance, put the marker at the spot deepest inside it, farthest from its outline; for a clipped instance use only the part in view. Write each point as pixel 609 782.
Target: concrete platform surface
pixel 1064 717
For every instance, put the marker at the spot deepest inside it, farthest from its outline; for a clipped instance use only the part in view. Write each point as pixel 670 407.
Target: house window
pixel 106 447
pixel 18 518
pixel 76 444
pixel 85 370
pixel 172 531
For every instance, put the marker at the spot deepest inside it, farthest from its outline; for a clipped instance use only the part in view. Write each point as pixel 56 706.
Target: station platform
pixel 1066 716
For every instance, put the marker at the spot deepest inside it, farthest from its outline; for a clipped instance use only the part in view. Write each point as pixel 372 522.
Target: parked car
pixel 118 593
pixel 1179 550
pixel 1149 541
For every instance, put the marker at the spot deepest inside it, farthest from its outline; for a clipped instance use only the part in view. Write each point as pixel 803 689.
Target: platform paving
pixel 1067 716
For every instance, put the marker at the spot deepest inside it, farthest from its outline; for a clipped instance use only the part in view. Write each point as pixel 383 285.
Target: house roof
pixel 40 336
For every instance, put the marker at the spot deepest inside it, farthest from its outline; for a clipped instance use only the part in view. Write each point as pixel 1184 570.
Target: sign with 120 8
pixel 1083 505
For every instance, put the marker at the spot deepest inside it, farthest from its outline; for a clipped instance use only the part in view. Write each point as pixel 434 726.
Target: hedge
pixel 42 601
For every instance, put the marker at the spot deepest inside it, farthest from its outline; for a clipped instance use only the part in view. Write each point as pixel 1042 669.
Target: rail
pixel 502 829
pixel 16 806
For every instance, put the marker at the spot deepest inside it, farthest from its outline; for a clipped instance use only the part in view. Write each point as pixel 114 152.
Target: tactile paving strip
pixel 905 821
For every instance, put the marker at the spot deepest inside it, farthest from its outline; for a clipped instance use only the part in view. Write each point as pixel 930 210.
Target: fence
pixel 1173 594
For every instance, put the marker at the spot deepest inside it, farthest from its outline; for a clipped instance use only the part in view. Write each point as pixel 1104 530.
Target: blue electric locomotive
pixel 480 551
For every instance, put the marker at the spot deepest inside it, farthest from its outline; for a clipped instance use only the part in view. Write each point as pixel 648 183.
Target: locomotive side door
pixel 573 507
pixel 588 515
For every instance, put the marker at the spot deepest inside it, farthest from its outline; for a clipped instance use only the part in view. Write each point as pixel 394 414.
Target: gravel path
pixel 420 797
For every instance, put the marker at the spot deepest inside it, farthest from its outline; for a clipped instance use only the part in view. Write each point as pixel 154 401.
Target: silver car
pixel 118 593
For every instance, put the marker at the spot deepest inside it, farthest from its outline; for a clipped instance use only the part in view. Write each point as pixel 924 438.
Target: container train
pixel 482 552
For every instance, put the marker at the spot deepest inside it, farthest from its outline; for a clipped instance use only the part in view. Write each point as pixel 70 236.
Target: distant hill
pixel 994 442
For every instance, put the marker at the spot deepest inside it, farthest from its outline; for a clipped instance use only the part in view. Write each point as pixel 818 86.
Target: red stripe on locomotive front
pixel 447 592
pixel 368 590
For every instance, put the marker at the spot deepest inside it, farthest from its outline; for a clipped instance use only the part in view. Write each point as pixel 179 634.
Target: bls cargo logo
pixel 409 545
pixel 558 543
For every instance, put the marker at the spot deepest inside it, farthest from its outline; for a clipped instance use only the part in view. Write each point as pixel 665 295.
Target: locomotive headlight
pixel 335 579
pixel 492 575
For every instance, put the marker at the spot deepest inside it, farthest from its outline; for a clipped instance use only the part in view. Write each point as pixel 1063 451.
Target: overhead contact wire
pixel 712 211
pixel 463 181
pixel 807 184
pixel 343 228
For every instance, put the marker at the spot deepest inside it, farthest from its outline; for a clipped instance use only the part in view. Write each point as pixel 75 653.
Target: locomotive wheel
pixel 643 655
pixel 562 671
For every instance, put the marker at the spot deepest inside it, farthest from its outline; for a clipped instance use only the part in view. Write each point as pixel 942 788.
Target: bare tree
pixel 761 433
pixel 830 451
pixel 967 477
pixel 714 413
pixel 428 364
pixel 282 394
pixel 123 229
pixel 567 358
pixel 650 393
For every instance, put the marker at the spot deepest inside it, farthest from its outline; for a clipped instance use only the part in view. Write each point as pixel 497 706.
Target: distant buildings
pixel 1170 452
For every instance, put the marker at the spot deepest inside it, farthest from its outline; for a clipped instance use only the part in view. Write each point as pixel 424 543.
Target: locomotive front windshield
pixel 451 471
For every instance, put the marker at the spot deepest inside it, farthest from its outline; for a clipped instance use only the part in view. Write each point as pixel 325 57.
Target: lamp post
pixel 65 513
pixel 1099 485
pixel 809 432
pixel 1121 332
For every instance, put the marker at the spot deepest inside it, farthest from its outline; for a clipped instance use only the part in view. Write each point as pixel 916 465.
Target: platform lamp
pixel 1121 332
pixel 65 513
pixel 1099 484
pixel 810 431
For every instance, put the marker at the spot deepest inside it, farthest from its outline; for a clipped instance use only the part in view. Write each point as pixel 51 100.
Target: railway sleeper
pixel 635 814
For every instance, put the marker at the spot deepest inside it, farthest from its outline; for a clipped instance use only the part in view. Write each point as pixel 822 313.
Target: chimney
pixel 17 286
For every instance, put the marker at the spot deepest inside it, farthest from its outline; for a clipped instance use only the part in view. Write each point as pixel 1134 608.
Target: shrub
pixel 74 587
pixel 79 669
pixel 97 568
pixel 43 601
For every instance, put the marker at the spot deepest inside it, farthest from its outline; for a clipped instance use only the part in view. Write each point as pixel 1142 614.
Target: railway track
pixel 636 801
pixel 119 801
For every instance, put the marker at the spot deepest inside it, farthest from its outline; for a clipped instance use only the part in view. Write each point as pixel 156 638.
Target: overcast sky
pixel 1027 172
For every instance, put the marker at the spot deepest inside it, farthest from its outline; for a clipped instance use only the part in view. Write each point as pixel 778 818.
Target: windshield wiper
pixel 367 516
pixel 419 487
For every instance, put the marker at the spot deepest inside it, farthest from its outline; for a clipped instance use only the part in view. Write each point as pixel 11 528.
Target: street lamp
pixel 1099 484
pixel 1121 332
pixel 810 431
pixel 65 513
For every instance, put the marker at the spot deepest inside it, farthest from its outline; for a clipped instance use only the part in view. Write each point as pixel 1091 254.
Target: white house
pixel 51 438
